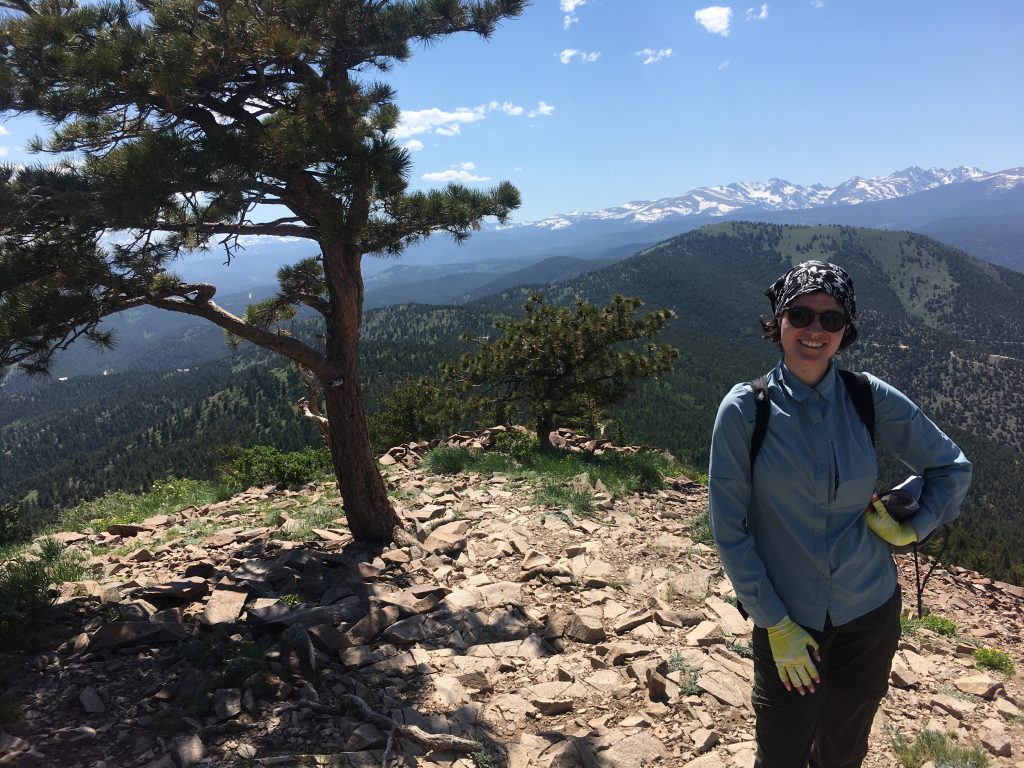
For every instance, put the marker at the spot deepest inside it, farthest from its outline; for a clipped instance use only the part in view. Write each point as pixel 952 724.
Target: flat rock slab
pixel 729 618
pixel 487 596
pixel 127 634
pixel 979 685
pixel 177 592
pixel 635 751
pixel 129 529
pixel 349 609
pixel 586 627
pixel 725 687
pixel 225 603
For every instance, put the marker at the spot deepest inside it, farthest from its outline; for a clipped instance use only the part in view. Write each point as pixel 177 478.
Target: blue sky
pixel 661 96
pixel 586 104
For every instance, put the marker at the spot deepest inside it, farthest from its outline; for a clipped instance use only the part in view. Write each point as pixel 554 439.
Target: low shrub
pixel 521 446
pixel 939 748
pixel 121 507
pixel 24 591
pixel 264 465
pixel 940 625
pixel 448 461
pixel 991 658
pixel 554 494
pixel 688 677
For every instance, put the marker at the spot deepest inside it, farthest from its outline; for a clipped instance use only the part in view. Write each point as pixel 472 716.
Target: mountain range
pixel 972 208
pixel 781 195
pixel 977 211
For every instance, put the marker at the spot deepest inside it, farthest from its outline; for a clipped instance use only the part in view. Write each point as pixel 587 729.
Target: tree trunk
pixel 544 426
pixel 367 506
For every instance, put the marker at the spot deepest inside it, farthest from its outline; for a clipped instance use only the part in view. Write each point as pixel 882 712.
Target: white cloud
pixel 457 172
pixel 434 120
pixel 715 19
pixel 723 65
pixel 3 131
pixel 543 110
pixel 568 7
pixel 818 3
pixel 650 55
pixel 443 123
pixel 507 107
pixel 570 53
pixel 753 14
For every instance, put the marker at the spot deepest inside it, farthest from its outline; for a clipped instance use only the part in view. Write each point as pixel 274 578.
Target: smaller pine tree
pixel 561 364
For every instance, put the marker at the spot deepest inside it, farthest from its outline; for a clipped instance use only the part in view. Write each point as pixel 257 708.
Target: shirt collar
pixel 800 391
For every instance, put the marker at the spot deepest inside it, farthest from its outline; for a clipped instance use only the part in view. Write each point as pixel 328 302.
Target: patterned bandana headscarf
pixel 810 277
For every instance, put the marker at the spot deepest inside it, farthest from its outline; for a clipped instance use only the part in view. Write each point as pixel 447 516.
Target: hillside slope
pixel 253 632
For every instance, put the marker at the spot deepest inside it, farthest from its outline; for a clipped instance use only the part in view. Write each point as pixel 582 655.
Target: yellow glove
pixel 886 527
pixel 789 643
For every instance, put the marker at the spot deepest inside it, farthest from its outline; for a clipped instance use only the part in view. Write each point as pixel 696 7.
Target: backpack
pixel 859 389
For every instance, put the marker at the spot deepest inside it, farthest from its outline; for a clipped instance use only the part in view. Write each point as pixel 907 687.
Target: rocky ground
pixel 253 632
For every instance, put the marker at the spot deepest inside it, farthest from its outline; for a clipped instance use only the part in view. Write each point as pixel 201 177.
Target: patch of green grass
pixel 742 648
pixel 235 662
pixel 699 529
pixel 689 675
pixel 61 564
pixel 319 515
pixel 940 748
pixel 242 662
pixel 991 658
pixel 163 498
pixel 451 461
pixel 699 477
pixel 291 600
pixel 621 473
pixel 553 494
pixel 485 758
pixel 940 625
pixel 24 590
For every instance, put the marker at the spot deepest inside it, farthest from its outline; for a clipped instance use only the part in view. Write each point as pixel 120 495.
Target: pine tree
pixel 564 364
pixel 185 123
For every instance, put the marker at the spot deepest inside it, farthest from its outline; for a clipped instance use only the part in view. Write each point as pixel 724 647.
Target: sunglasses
pixel 831 321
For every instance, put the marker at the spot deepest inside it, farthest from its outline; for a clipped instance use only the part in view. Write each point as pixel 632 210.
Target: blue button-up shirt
pixel 794 541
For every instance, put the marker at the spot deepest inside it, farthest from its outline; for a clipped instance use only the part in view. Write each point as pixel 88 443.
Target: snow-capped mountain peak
pixel 778 195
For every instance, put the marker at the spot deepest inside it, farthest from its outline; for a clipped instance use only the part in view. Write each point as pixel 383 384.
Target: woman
pixel 808 556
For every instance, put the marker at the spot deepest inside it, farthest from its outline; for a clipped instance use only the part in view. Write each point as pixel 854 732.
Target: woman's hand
pixel 789 643
pixel 885 526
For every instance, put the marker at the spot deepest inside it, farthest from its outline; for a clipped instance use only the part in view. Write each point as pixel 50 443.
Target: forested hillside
pixel 934 322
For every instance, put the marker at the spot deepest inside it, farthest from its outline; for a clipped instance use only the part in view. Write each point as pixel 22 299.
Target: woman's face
pixel 808 350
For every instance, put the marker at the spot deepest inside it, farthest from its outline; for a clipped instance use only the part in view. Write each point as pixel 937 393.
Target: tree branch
pixel 180 299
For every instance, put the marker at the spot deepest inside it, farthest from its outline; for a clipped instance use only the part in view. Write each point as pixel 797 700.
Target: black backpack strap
pixel 859 389
pixel 764 410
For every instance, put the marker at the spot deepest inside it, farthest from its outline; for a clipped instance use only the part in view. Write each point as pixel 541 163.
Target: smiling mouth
pixel 813 344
